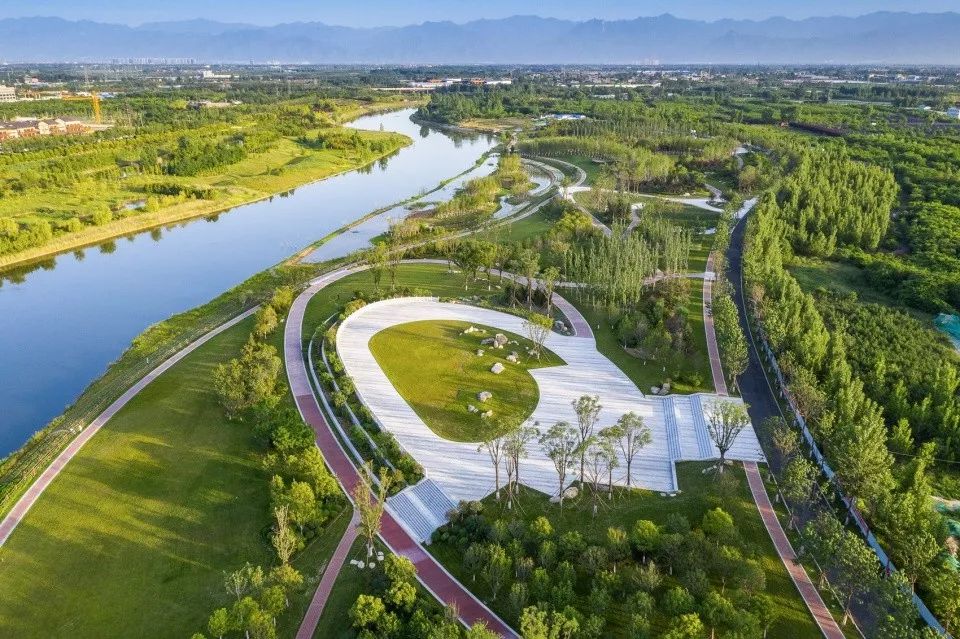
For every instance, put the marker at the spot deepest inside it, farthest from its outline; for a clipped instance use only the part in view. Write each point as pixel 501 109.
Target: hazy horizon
pixel 374 13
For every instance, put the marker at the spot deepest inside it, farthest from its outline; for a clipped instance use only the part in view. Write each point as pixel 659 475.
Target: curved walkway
pixel 811 596
pixel 29 498
pixel 310 620
pixel 430 573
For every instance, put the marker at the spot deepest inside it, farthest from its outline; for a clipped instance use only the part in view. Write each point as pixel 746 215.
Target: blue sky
pixel 398 12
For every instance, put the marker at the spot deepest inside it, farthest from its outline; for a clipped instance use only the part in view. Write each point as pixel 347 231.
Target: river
pixel 63 324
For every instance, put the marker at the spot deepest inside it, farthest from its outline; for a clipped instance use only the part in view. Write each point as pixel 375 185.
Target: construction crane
pixel 93 98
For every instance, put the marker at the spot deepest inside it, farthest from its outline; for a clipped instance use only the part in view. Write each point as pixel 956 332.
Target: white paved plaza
pixel 677 422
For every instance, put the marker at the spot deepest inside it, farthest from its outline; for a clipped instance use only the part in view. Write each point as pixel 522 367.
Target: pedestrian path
pixel 430 573
pixel 310 620
pixel 821 614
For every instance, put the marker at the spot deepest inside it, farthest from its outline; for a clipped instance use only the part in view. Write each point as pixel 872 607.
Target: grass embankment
pixel 150 348
pixel 287 164
pixel 435 368
pixel 134 536
pixel 700 492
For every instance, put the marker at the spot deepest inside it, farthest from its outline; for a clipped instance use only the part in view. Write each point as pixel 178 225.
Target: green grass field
pixel 700 492
pixel 435 368
pixel 133 537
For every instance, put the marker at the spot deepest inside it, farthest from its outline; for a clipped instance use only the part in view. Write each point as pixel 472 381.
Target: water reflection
pixel 116 290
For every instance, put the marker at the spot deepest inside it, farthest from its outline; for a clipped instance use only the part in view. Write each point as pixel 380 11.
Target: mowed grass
pixel 700 492
pixel 435 368
pixel 133 537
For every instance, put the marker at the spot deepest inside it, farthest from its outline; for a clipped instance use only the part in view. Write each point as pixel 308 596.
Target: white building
pixel 7 94
pixel 953 112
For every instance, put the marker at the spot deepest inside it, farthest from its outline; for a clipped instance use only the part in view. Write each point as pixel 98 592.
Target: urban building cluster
pixel 20 128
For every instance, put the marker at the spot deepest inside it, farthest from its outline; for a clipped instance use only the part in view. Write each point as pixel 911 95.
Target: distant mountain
pixel 877 38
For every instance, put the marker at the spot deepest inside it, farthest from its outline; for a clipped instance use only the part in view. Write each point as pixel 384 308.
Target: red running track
pixel 310 620
pixel 821 614
pixel 430 573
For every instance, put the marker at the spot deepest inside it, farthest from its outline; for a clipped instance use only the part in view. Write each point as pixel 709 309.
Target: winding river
pixel 62 324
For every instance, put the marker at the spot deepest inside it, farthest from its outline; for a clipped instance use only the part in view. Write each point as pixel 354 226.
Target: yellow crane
pixel 93 98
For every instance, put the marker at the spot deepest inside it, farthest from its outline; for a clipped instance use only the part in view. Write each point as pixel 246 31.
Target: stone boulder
pixel 479 352
pixel 513 358
pixel 484 395
pixel 472 409
pixel 497 368
pixel 487 415
pixel 500 340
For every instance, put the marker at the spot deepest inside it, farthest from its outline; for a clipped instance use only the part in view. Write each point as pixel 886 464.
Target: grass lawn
pixel 534 225
pixel 435 369
pixel 651 373
pixel 134 535
pixel 350 584
pixel 700 493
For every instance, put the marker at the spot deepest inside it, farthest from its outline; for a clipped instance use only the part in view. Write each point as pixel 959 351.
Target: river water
pixel 62 324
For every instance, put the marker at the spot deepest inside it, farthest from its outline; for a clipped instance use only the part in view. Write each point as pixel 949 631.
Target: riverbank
pixel 285 167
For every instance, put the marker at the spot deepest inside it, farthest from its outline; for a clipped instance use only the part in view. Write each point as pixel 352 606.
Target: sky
pixel 371 13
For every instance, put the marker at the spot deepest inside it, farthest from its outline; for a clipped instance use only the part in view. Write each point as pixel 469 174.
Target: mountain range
pixel 875 38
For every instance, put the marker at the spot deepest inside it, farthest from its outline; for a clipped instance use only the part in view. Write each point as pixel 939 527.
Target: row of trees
pixel 304 496
pixel 849 425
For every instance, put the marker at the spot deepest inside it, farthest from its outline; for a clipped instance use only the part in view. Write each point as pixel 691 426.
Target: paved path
pixel 811 597
pixel 713 350
pixel 762 405
pixel 29 498
pixel 330 574
pixel 463 472
pixel 430 573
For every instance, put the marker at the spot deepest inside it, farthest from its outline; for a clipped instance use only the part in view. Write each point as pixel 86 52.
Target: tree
pixel 597 453
pixel 402 592
pixel 785 439
pixel 370 613
pixel 517 440
pixel 560 443
pixel 632 435
pixel 528 262
pixel 283 539
pixel 718 525
pixel 473 560
pixel 240 582
pixel 219 623
pixel 724 422
pixel 587 409
pixel 248 380
pixel 716 610
pixel 645 537
pixel 537 329
pixel 686 626
pixel 913 529
pixel 852 564
pixel 370 507
pixel 761 606
pixel 549 278
pixel 377 257
pixel 486 254
pixel 797 483
pixel 496 568
pixel 467 259
pixel 266 321
pixel 609 438
pixel 302 504
pixel 496 448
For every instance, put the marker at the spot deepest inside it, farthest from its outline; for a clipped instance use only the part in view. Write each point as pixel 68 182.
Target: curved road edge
pixel 434 577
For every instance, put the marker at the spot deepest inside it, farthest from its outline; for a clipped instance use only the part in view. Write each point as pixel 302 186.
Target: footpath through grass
pixel 133 537
pixel 435 368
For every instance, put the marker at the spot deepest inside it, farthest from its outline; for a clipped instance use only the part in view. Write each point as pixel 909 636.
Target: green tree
pixel 725 421
pixel 496 568
pixel 265 322
pixel 537 329
pixel 632 434
pixel 219 623
pixel 587 409
pixel 560 443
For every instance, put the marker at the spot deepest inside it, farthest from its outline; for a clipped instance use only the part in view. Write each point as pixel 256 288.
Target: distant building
pixel 20 128
pixel 207 74
pixel 954 112
pixel 7 94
